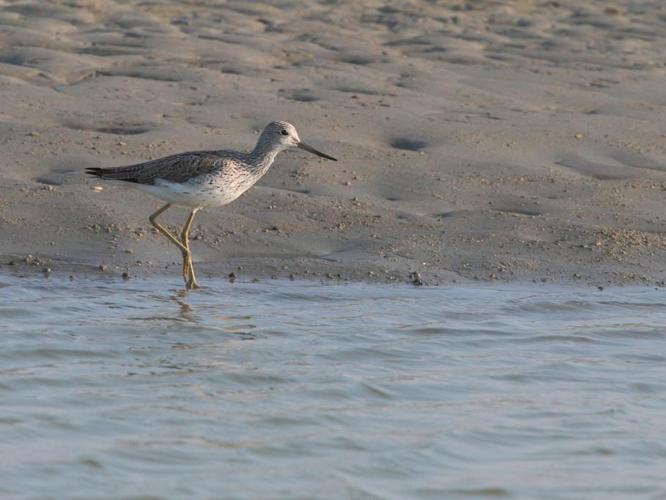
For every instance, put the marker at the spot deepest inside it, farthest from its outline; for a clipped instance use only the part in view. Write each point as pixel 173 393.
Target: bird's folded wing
pixel 175 168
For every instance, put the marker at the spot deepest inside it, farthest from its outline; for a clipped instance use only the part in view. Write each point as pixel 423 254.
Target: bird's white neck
pixel 263 155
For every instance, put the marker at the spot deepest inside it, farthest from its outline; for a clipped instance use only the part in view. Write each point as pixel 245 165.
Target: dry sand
pixel 508 140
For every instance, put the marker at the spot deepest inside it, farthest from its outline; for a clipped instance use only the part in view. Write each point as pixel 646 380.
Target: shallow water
pixel 115 388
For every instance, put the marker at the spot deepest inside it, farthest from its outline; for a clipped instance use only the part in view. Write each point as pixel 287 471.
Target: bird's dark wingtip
pixel 96 171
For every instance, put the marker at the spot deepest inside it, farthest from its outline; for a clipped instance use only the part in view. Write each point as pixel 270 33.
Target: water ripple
pixel 285 389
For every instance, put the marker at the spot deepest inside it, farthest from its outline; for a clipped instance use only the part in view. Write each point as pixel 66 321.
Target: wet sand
pixel 515 140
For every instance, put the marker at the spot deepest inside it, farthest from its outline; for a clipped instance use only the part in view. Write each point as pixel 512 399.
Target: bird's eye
pixel 284 132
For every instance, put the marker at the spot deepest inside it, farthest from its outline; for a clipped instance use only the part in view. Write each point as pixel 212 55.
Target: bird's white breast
pixel 203 191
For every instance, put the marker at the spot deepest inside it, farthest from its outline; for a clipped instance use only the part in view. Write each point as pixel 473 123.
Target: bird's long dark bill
pixel 312 150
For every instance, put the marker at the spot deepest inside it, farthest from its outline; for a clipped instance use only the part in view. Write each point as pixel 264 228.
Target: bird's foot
pixel 191 284
pixel 188 273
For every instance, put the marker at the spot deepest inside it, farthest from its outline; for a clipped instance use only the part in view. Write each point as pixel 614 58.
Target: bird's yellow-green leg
pixel 187 257
pixel 186 243
pixel 188 267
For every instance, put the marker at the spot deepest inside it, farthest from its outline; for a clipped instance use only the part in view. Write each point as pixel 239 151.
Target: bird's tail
pixel 96 171
pixel 118 174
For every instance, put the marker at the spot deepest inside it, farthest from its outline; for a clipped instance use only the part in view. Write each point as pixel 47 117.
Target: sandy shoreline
pixel 483 140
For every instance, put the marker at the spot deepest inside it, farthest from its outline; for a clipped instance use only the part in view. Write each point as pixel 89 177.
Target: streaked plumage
pixel 201 179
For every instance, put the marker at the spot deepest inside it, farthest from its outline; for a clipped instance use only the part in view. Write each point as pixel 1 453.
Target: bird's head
pixel 284 135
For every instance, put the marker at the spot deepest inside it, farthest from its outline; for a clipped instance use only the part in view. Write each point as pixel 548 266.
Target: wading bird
pixel 203 179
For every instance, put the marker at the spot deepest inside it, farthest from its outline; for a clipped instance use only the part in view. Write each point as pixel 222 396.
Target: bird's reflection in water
pixel 237 326
pixel 197 315
pixel 185 312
